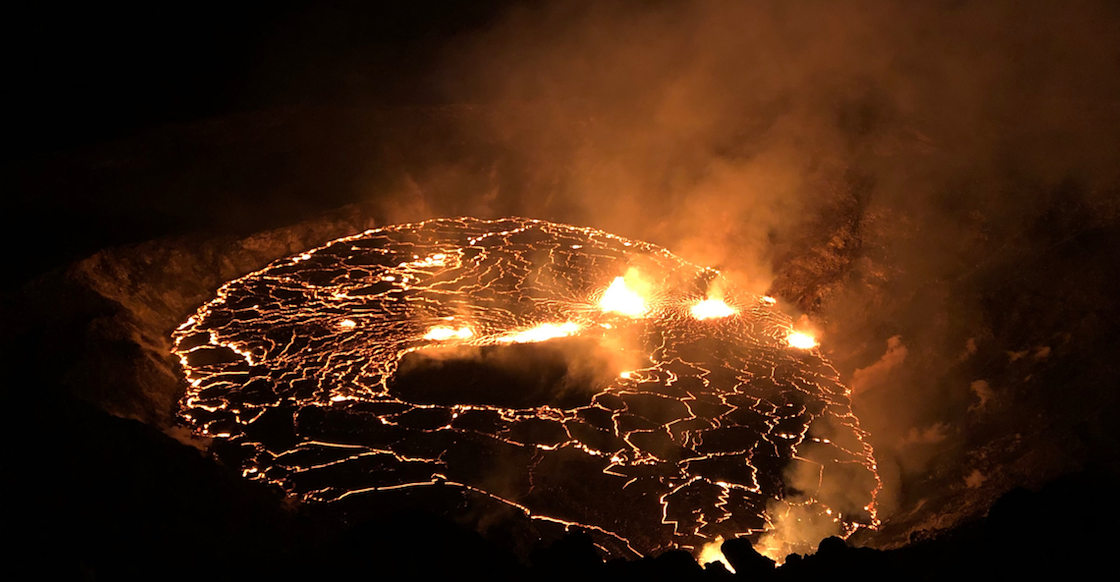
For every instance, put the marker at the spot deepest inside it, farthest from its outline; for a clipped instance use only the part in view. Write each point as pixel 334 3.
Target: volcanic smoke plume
pixel 583 379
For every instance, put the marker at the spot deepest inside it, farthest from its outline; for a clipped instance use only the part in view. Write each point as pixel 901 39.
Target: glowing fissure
pixel 701 426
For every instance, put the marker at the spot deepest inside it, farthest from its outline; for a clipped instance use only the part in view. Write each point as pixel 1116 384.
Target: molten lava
pixel 620 298
pixel 441 332
pixel 801 341
pixel 542 332
pixel 711 309
pixel 506 362
pixel 712 552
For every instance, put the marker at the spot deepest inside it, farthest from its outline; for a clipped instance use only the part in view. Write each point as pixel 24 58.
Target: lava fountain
pixel 583 380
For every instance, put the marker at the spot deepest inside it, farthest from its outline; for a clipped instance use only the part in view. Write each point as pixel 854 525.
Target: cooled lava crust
pixel 475 355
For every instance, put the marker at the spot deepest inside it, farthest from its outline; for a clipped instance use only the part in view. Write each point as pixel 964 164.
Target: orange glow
pixel 711 552
pixel 621 298
pixel 711 309
pixel 441 333
pixel 802 341
pixel 542 332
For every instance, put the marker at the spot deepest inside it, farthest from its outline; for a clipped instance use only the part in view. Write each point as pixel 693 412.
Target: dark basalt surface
pixel 530 375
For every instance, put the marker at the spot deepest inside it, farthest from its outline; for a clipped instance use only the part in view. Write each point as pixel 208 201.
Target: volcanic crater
pixel 500 359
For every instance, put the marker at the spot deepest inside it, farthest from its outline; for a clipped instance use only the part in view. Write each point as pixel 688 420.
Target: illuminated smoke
pixel 648 432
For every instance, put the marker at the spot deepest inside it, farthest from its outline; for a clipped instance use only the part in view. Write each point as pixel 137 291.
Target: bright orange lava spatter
pixel 689 440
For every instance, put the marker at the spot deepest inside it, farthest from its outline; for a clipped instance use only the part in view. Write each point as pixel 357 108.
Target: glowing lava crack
pixel 585 380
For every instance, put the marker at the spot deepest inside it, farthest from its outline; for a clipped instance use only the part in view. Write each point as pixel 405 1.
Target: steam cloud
pixel 797 146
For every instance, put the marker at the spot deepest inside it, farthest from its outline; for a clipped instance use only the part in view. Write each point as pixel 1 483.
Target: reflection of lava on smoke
pixel 586 380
